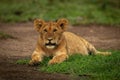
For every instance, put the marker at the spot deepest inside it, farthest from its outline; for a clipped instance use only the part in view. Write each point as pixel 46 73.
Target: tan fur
pixel 55 41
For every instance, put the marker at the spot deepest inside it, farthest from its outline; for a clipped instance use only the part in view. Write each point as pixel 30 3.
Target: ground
pixel 102 37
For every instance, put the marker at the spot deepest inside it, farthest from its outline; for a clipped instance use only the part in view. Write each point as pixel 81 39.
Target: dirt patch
pixel 11 71
pixel 102 37
pixel 11 49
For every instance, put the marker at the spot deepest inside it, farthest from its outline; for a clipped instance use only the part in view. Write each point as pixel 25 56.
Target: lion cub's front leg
pixel 58 58
pixel 36 57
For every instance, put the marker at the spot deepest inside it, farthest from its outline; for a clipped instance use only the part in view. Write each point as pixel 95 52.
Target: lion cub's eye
pixel 45 30
pixel 54 30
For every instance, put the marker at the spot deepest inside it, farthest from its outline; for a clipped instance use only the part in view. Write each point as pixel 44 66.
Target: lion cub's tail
pixel 92 50
pixel 103 53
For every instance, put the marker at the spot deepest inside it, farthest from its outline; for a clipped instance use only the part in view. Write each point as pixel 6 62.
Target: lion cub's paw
pixel 34 63
pixel 52 62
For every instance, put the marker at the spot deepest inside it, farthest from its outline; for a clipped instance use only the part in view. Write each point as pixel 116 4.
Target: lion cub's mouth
pixel 50 45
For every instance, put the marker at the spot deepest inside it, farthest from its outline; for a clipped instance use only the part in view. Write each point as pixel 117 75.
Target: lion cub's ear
pixel 38 23
pixel 62 23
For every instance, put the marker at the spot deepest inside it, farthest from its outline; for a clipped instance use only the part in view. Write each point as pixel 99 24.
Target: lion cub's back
pixel 75 44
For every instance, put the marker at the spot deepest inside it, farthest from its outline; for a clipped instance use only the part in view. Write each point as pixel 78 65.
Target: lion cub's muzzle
pixel 50 44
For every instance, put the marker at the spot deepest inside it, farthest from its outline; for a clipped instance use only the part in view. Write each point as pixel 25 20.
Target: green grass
pixel 5 36
pixel 77 11
pixel 97 67
pixel 22 61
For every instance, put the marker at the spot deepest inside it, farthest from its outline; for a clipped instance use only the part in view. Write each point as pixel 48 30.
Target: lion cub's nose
pixel 49 39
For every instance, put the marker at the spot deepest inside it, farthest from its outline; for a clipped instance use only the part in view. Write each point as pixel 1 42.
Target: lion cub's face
pixel 51 32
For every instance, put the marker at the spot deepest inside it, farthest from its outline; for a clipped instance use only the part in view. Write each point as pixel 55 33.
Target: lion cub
pixel 54 40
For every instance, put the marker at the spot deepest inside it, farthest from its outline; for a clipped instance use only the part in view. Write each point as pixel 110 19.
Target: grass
pixel 5 36
pixel 77 11
pixel 97 67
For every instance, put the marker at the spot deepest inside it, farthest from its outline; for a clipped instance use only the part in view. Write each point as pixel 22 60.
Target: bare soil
pixel 102 37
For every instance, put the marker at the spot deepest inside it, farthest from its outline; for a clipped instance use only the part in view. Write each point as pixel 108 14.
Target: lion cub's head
pixel 51 32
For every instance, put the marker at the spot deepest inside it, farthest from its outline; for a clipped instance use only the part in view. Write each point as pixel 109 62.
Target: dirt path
pixel 12 49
